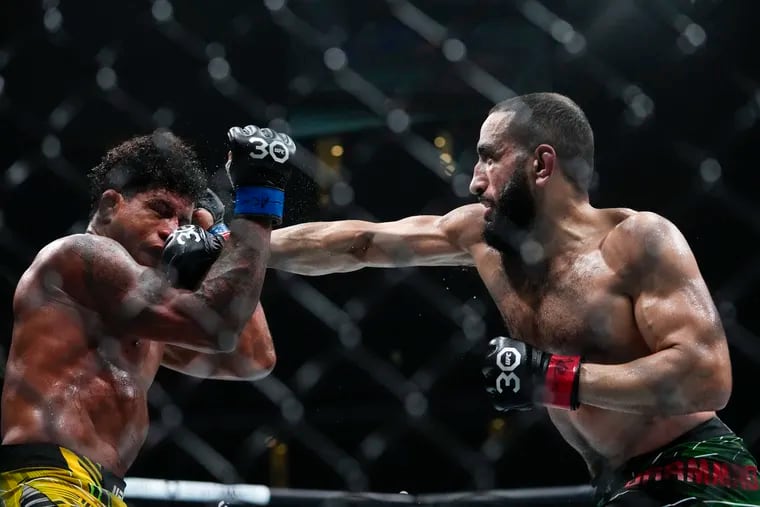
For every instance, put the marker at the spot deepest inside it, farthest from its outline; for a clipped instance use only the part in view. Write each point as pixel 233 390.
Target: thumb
pixel 202 218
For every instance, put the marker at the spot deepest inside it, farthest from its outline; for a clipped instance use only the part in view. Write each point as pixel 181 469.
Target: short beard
pixel 513 215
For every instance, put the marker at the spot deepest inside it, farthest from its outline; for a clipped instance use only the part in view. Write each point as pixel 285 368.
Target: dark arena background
pixel 377 387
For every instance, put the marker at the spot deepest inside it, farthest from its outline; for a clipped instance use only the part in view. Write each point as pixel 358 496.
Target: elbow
pixel 700 388
pixel 722 400
pixel 258 367
pixel 719 391
pixel 712 399
pixel 713 388
pixel 266 363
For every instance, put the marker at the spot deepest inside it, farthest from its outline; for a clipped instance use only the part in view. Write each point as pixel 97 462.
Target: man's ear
pixel 109 204
pixel 544 163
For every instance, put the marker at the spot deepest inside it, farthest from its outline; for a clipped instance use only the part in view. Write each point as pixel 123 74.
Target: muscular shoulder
pixel 642 241
pixel 67 253
pixel 68 264
pixel 464 225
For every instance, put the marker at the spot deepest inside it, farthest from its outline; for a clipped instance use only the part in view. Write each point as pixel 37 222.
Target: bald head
pixel 550 118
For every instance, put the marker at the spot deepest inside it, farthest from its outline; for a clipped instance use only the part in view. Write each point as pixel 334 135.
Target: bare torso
pixel 580 306
pixel 69 379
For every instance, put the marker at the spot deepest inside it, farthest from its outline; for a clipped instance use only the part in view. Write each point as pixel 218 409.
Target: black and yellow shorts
pixel 42 475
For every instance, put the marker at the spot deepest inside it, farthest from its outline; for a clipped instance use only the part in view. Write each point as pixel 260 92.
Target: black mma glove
pixel 188 254
pixel 259 169
pixel 519 376
pixel 211 203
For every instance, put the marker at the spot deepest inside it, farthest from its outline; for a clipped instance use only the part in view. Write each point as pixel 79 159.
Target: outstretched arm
pixel 253 358
pixel 331 247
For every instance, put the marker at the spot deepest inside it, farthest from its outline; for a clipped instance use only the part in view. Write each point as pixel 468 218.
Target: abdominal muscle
pixel 92 418
pixel 607 439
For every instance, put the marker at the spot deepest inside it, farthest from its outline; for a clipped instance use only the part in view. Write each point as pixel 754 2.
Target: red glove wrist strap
pixel 561 381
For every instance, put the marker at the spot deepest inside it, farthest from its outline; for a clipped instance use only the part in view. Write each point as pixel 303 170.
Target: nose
pixel 479 182
pixel 167 227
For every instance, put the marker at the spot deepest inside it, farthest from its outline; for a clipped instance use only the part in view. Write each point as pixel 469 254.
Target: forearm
pixel 253 358
pixel 230 290
pixel 348 245
pixel 664 383
pixel 319 248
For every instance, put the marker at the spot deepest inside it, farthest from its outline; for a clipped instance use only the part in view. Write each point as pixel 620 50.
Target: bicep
pixel 673 306
pixel 424 240
pixel 678 314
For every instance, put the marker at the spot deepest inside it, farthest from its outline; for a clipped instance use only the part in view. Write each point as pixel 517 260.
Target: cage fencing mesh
pixel 377 385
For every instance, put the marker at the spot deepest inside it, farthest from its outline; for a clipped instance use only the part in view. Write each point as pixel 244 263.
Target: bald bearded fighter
pixel 610 323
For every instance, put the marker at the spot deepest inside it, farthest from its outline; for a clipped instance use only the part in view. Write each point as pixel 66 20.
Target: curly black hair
pixel 159 160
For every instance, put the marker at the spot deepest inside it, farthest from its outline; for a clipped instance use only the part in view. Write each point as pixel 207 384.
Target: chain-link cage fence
pixel 377 385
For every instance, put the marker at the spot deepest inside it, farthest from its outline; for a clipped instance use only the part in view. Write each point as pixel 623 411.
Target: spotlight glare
pixel 336 150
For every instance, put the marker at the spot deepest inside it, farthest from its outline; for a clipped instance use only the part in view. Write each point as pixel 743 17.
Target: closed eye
pixel 162 208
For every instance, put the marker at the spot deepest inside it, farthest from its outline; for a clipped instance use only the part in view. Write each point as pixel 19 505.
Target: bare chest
pixel 130 361
pixel 127 355
pixel 578 307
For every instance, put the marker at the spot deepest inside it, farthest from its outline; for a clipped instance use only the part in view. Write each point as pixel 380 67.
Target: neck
pixel 94 228
pixel 561 224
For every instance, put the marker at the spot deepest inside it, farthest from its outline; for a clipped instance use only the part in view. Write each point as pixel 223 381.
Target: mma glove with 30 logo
pixel 259 168
pixel 519 376
pixel 188 254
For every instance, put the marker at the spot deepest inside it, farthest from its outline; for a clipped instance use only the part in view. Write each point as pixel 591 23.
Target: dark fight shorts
pixel 708 465
pixel 42 475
